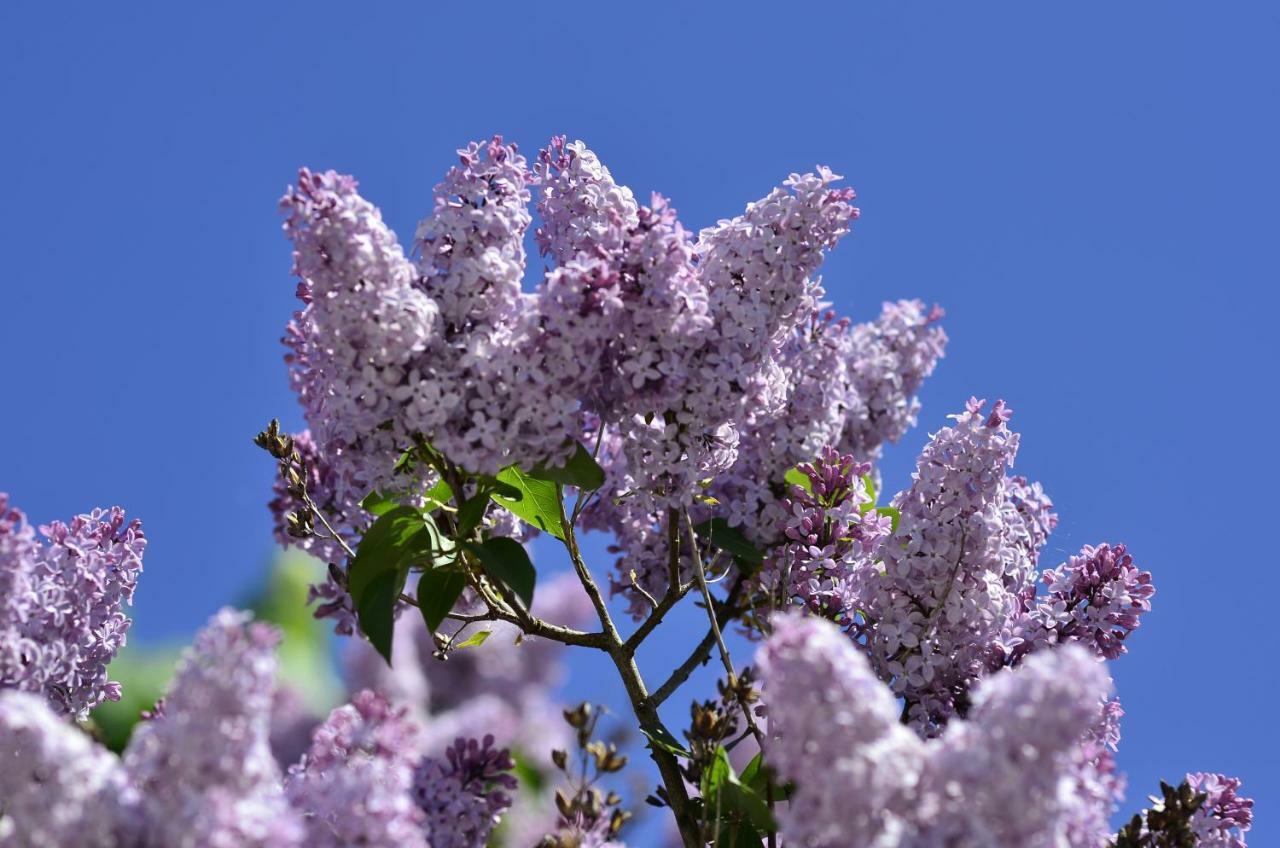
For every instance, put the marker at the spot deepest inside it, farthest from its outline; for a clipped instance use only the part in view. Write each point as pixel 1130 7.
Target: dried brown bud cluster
pixel 584 807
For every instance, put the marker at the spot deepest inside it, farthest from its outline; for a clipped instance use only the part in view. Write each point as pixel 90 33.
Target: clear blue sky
pixel 1088 188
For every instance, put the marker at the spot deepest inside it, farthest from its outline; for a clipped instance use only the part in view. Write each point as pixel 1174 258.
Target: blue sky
pixel 1088 189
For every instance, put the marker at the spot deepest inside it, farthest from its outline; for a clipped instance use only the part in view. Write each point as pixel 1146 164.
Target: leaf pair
pixel 399 539
pixel 742 813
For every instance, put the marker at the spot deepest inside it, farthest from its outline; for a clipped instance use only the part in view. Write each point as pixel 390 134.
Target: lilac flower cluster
pixel 950 595
pixel 62 604
pixel 203 764
pixel 462 793
pixel 822 366
pixel 944 592
pixel 674 344
pixel 1096 598
pixel 364 321
pixel 1226 815
pixel 1000 777
pixel 361 759
pixel 831 539
pixel 199 772
pixel 893 356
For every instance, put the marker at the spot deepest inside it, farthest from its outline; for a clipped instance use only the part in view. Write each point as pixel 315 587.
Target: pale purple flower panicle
pixel 1226 815
pixel 943 600
pixel 203 764
pixel 498 387
pixel 757 266
pixel 1001 777
pixel 472 245
pixel 582 209
pixel 61 604
pixel 997 778
pixel 834 730
pixel 355 342
pixel 890 358
pixel 462 793
pixel 57 786
pixel 353 786
pixel 1095 783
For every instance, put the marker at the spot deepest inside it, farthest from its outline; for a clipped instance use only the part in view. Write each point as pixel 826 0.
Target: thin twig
pixel 701 577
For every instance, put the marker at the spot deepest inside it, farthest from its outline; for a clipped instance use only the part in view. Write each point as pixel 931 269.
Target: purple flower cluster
pixel 1000 777
pixel 815 392
pixel 1226 815
pixel 674 344
pixel 944 595
pixel 892 356
pixel 503 686
pixel 950 595
pixel 57 787
pixel 1096 598
pixel 462 793
pixel 363 323
pixel 62 604
pixel 831 539
pixel 353 786
pixel 199 771
pixel 202 764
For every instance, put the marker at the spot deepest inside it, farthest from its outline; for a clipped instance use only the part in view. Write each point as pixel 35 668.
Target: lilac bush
pixel 920 677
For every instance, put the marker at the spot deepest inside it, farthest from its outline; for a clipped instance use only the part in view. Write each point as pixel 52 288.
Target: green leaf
pixel 539 502
pixel 391 543
pixel 395 541
pixel 796 477
pixel 376 610
pixel 738 802
pixel 730 540
pixel 438 591
pixel 377 503
pixel 474 639
pixel 507 561
pixel 892 512
pixel 581 471
pixel 754 775
pixel 715 775
pixel 870 483
pixel 471 512
pixel 438 495
pixel 662 739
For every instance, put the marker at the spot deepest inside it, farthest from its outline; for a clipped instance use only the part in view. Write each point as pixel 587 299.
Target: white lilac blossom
pixel 62 603
pixel 353 787
pixel 462 793
pixel 57 786
pixel 1225 816
pixel 1000 777
pixel 202 763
